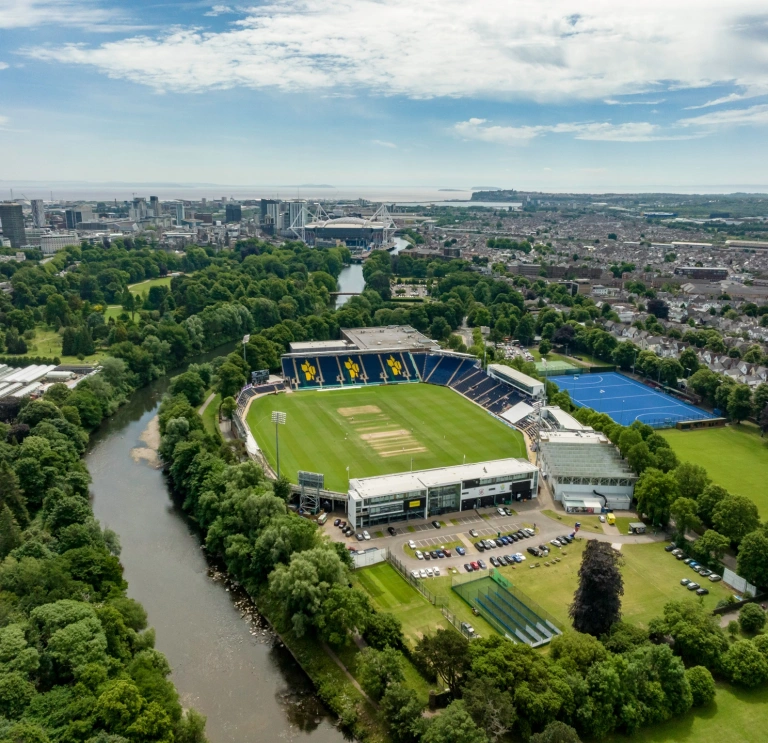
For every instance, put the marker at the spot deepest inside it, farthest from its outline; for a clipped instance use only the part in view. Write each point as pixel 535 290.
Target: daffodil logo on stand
pixel 395 366
pixel 353 368
pixel 309 371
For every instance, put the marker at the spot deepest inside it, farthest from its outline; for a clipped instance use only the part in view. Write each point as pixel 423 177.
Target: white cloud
pixel 732 98
pixel 752 116
pixel 614 102
pixel 3 66
pixel 219 10
pixel 86 14
pixel 383 143
pixel 639 131
pixel 495 49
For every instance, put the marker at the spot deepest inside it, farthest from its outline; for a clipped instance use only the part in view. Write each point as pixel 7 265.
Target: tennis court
pixel 626 400
pixel 556 367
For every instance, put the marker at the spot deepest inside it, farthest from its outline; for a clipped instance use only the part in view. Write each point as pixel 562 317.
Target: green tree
pixel 683 511
pixel 525 329
pixel 545 347
pixel 344 611
pixel 711 546
pixel 655 492
pixel 640 458
pixel 189 384
pixel 228 406
pixel 745 665
pixel 739 403
pixel 440 329
pixel 490 707
pixel 402 712
pixel 454 725
pixel 752 561
pixel 751 618
pixel 377 669
pixel 383 629
pixel 229 380
pixel 691 480
pixel 556 732
pixel 735 516
pixel 689 361
pixel 702 685
pixel 577 652
pixel 445 654
pixel 709 500
pixel 597 601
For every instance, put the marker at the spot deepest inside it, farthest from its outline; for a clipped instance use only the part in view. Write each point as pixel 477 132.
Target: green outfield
pixel 735 457
pixel 379 430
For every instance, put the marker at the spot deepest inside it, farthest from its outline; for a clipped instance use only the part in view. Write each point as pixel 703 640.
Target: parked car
pixel 702 591
pixel 489 545
pixel 446 552
pixel 602 519
pixel 473 532
pixel 568 538
pixel 482 564
pixel 680 555
pixel 669 547
pixel 468 567
pixel 519 557
pixel 520 533
pixel 343 525
pixel 441 554
pixel 677 552
pixel 495 562
pixel 366 535
pixel 534 551
pixel 498 542
pixel 714 577
pixel 513 537
pixel 427 556
pixel 475 565
pixel 530 532
pixel 337 522
pixel 436 524
pixel 480 545
pixel 505 540
pixel 508 511
pixel 693 586
pixel 501 512
pixel 415 573
pixel 705 572
pixel 434 554
pixel 544 550
pixel 359 536
pixel 429 572
pixel 685 581
pixel 468 628
pixel 461 551
pixel 422 573
pixel 419 555
pixel 687 561
pixel 412 544
pixel 391 530
pixel 556 542
pixel 437 571
pixel 693 565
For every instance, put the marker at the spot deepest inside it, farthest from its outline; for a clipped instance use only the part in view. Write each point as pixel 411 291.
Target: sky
pixel 554 95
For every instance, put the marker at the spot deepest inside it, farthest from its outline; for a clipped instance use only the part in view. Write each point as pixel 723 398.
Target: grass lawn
pixel 379 430
pixel 734 456
pixel 144 286
pixel 588 523
pixel 47 342
pixel 114 310
pixel 556 357
pixel 623 522
pixel 737 715
pixel 390 592
pixel 210 416
pixel 651 579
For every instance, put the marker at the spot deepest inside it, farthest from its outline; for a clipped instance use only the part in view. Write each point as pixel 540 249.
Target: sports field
pixel 626 400
pixel 735 457
pixel 378 430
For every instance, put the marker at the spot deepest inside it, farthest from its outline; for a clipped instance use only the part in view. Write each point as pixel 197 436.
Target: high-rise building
pixel 154 206
pixel 270 211
pixel 138 209
pixel 297 214
pixel 179 210
pixel 77 214
pixel 234 213
pixel 12 220
pixel 38 213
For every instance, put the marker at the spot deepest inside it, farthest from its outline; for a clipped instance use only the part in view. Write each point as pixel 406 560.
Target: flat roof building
pixel 427 493
pixel 389 338
pixel 521 382
pixel 585 471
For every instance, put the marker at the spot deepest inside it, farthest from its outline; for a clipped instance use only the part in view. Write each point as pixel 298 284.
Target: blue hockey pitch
pixel 626 400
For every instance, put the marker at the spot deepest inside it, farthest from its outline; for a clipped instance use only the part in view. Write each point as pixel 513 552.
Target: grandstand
pixel 507 610
pixel 324 370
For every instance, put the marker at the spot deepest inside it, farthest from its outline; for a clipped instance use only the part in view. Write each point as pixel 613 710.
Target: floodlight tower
pixel 383 215
pixel 278 419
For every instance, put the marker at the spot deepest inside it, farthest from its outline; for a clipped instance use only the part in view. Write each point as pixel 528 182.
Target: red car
pixel 475 566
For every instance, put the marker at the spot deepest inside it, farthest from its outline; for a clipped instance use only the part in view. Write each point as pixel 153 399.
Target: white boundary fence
pixel 740 584
pixel 369 557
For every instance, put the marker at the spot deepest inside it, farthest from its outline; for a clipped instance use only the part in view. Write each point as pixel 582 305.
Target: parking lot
pixel 470 518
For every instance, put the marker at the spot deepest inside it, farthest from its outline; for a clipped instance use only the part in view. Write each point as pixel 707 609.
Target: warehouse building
pixel 585 471
pixel 428 493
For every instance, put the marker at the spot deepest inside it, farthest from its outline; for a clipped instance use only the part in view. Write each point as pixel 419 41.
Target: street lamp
pixel 278 419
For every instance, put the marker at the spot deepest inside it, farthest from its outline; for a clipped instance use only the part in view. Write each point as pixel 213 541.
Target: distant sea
pixel 92 191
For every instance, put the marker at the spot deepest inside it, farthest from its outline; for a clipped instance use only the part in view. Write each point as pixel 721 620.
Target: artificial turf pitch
pixel 378 430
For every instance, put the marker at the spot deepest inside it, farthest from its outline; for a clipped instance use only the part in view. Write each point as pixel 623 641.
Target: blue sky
pixel 557 95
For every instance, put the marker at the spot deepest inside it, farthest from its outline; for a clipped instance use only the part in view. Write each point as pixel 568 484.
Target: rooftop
pixel 404 482
pixel 396 337
pixel 582 455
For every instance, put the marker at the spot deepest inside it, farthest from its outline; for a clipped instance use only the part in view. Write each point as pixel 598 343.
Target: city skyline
pixel 586 97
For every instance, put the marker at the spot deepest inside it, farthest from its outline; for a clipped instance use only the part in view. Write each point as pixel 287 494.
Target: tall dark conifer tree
pixel 597 601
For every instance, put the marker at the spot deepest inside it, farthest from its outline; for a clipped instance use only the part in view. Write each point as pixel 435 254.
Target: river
pixel 235 673
pixel 351 277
